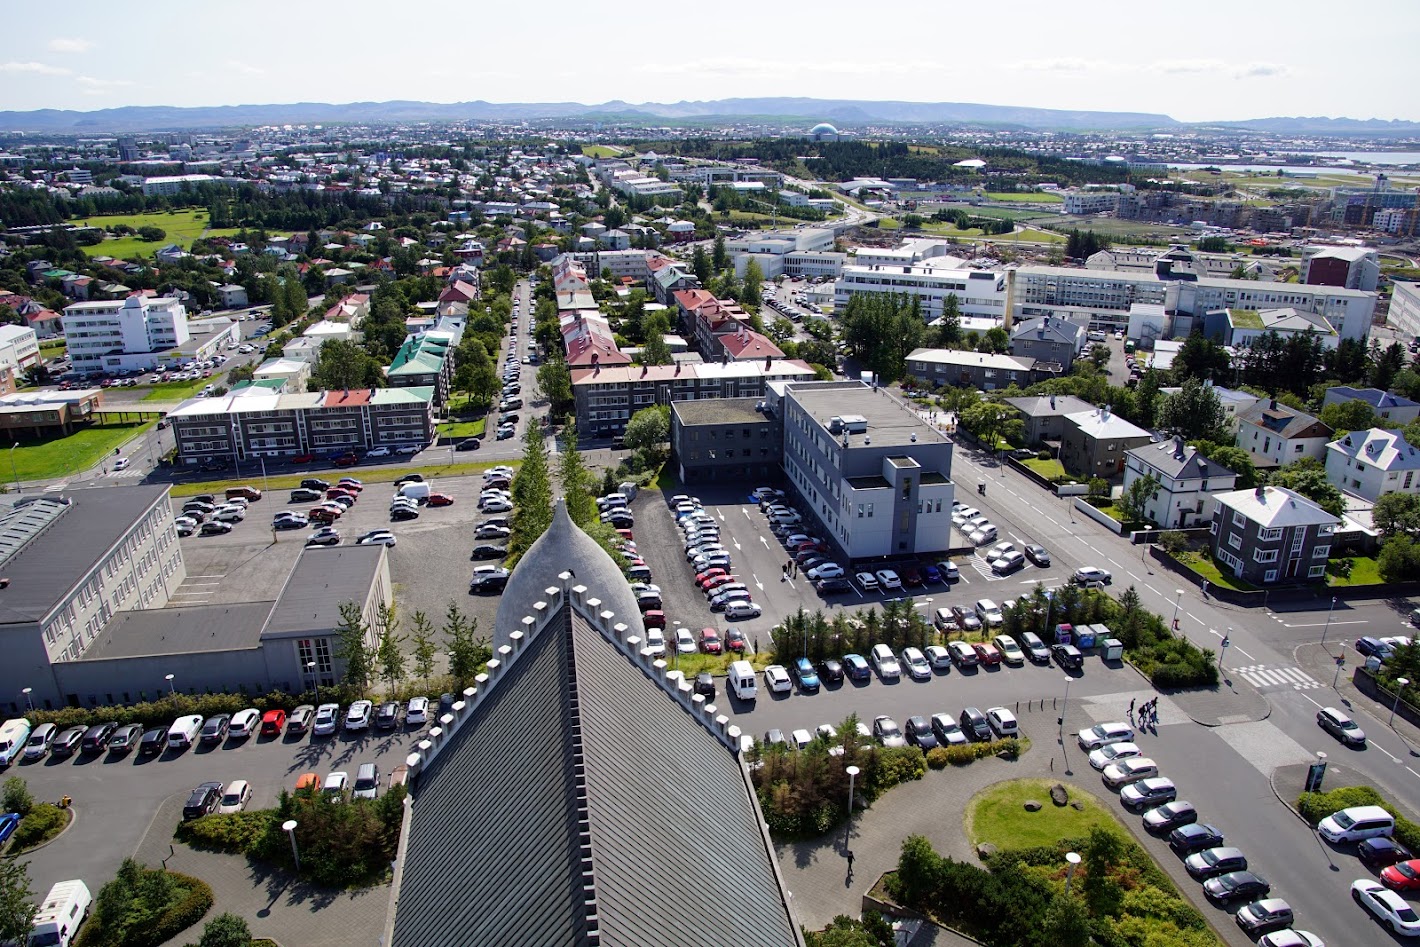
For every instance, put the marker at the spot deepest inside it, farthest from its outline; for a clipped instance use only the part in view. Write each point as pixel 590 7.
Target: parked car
pixel 857 667
pixel 776 678
pixel 1113 752
pixel 125 738
pixel 1169 815
pixel 1149 792
pixel 300 719
pixel 215 729
pixel 887 732
pixel 235 797
pixel 202 801
pixel 244 723
pixel 807 676
pixel 327 719
pixel 357 717
pixel 1194 837
pixel 947 731
pixel 1387 907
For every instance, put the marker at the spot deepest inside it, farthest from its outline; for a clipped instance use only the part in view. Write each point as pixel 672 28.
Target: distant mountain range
pixel 847 112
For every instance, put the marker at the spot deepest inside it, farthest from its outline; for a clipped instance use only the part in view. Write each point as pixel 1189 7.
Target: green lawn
pixel 182 227
pixel 65 456
pixel 1026 197
pixel 176 390
pixel 364 474
pixel 949 230
pixel 462 428
pixel 1365 570
pixel 601 151
pixel 717 664
pixel 1204 565
pixel 996 815
pixel 1049 469
pixel 1027 235
pixel 51 348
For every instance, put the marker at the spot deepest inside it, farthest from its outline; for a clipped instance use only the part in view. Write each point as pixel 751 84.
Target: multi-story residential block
pixel 867 468
pixel 939 367
pixel 19 348
pixel 978 292
pixel 1187 482
pixel 1044 416
pixel 1271 534
pixel 724 441
pixel 606 397
pixel 1056 341
pixel 232 296
pixel 1089 202
pixel 425 360
pixel 1351 267
pixel 71 563
pixel 255 422
pixel 133 333
pixel 1275 435
pixel 1099 298
pixel 1096 442
pixel 1404 314
pixel 1396 409
pixel 1348 311
pixel 1372 463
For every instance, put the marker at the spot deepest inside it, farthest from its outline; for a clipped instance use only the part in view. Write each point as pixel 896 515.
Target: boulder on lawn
pixel 1058 795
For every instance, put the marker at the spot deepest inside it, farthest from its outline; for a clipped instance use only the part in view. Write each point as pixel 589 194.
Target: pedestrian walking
pixel 850 862
pixel 1131 708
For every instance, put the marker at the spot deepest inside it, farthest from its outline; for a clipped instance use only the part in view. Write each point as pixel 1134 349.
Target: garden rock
pixel 1078 806
pixel 1058 795
pixel 985 850
pixel 1031 805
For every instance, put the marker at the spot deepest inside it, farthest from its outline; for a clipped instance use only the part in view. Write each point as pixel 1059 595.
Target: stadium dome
pixel 823 130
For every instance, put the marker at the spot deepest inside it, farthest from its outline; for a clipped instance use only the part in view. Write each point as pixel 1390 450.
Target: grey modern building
pixel 631 819
pixel 1048 340
pixel 938 368
pixel 724 440
pixel 1272 534
pixel 875 476
pixel 1044 415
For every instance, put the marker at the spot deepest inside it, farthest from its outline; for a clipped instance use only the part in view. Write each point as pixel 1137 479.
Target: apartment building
pixel 1350 267
pixel 979 292
pixel 1187 482
pixel 1057 341
pixel 425 360
pixel 254 422
pixel 1372 463
pixel 1080 203
pixel 725 441
pixel 875 476
pixel 1271 534
pixel 1397 409
pixel 1096 442
pixel 1348 311
pixel 19 349
pixel 72 562
pixel 941 367
pixel 606 397
pixel 1044 416
pixel 1096 298
pixel 106 336
pixel 1275 435
pixel 1404 314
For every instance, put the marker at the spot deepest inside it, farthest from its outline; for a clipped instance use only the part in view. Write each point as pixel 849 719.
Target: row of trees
pixel 385 659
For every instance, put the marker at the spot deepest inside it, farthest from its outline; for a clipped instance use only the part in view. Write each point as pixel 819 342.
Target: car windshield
pixel 1406 913
pixel 1346 723
pixel 231 799
pixel 1212 857
pixel 1405 869
pixel 1344 820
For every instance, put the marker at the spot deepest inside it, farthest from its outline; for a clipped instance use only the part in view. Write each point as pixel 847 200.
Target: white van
pixel 60 914
pixel 367 781
pixel 1357 823
pixel 989 612
pixel 742 681
pixel 414 491
pixel 184 731
pixel 13 734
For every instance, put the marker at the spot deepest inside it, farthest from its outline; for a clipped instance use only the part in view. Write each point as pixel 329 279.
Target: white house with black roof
pixel 579 794
pixel 1187 482
pixel 1274 435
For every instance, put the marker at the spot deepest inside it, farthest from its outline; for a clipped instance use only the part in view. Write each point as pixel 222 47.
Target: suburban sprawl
pixel 392 512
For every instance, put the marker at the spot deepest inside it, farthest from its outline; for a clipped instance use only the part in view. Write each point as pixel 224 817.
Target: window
pixel 860 511
pixel 870 511
pixel 1321 552
pixel 1316 572
pixel 1269 535
pixel 1235 540
pixel 1239 519
pixel 1270 575
pixel 1264 555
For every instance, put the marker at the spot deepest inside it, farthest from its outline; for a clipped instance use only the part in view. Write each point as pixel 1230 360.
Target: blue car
pixel 857 667
pixel 8 823
pixel 931 573
pixel 808 677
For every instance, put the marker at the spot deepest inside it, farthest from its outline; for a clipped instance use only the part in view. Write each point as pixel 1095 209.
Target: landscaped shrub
pixel 143 907
pixel 44 821
pixel 342 844
pixel 17 797
pixel 235 832
pixel 938 757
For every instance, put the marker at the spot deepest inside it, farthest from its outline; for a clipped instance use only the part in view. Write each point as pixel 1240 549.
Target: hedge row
pixel 964 753
pixel 43 822
pixel 1315 806
pixel 235 832
pixel 124 917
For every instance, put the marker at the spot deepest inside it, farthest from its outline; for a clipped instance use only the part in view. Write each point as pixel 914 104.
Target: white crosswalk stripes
pixel 1261 676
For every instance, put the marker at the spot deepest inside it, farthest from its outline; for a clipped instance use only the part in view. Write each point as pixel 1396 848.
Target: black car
pixel 830 671
pixel 509 417
pixel 974 725
pixel 489 581
pixel 154 741
pixel 125 738
pixel 203 801
pixel 306 495
pixel 313 483
pixel 705 684
pixel 387 717
pixel 838 583
pixel 919 734
pixel 489 551
pixel 1236 886
pixel 1195 837
pixel 1067 656
pixel 215 729
pixel 401 513
pixel 1037 555
pixel 96 737
pixel 409 478
pixel 1381 852
pixel 471 443
pixel 66 742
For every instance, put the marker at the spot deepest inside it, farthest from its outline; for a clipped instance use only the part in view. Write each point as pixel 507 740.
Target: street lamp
pixel 1064 708
pixel 290 826
pixel 1223 651
pixel 1073 860
pixel 13 470
pixel 28 703
pixel 1400 683
pixel 852 772
pixel 1328 620
pixel 1177 603
pixel 1340 660
pixel 172 691
pixel 311 666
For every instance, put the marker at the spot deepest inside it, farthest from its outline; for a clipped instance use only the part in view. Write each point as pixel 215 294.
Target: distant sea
pixel 1368 157
pixel 1300 171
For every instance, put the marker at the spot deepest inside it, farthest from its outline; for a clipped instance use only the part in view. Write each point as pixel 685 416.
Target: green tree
pixel 241 373
pixel 1399 559
pixel 577 481
pixel 467 652
pixel 1233 458
pixel 17 797
pixel 295 297
pixel 554 378
pixel 1200 357
pixel 226 930
pixel 1103 851
pixel 719 259
pixel 422 634
pixel 1308 477
pixel 1195 411
pixel 343 365
pixel 532 492
pixel 391 658
pixel 1136 497
pixel 17 901
pixel 985 421
pixel 1146 395
pixel 1394 513
pixel 752 294
pixel 1067 923
pixel 1343 417
pixel 352 645
pixel 700 264
pixel 949 332
pixel 476 375
pixel 649 429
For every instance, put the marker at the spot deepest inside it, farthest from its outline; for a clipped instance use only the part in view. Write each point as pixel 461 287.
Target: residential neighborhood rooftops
pixel 1044 406
pixel 1102 422
pixel 718 411
pixel 986 359
pixel 1282 420
pixel 1275 507
pixel 1372 396
pixel 1177 461
pixel 1378 447
pixel 890 422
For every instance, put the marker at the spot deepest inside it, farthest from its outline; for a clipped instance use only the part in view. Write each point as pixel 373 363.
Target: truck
pixel 13 736
pixel 60 914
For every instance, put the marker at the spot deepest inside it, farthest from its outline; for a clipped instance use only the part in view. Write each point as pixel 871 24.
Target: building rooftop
pixel 1372 396
pixel 1008 363
pixel 1102 422
pixel 1275 507
pixel 890 421
pixel 59 553
pixel 1386 449
pixel 1178 461
pixel 1049 406
pixel 704 370
pixel 324 579
pixel 1282 420
pixel 718 411
pixel 188 630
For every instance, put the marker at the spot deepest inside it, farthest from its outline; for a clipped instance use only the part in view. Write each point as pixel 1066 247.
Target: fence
pixel 1104 519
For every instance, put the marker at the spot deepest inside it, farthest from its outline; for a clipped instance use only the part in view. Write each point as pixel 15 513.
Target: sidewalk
pixel 274 904
pixel 1233 700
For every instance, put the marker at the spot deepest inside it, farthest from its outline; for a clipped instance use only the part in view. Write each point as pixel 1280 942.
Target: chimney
pixel 768 361
pixel 1261 493
pixel 1052 402
pixel 1274 404
pixel 1178 446
pixel 1104 413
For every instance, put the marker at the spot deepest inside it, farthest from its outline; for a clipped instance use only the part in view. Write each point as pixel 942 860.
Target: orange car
pixel 308 781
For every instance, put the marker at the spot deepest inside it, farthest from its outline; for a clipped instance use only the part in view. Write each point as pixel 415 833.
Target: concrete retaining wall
pixel 1104 519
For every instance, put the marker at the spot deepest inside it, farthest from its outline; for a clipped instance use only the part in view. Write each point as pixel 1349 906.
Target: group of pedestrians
pixel 790 570
pixel 1148 713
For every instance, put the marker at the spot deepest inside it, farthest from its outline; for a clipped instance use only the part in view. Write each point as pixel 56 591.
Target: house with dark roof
pixel 1187 482
pixel 1394 409
pixel 1048 340
pixel 1044 415
pixel 1275 435
pixel 582 836
pixel 1271 534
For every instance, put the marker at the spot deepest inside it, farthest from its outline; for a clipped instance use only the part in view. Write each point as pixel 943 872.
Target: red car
pixel 440 499
pixel 735 641
pixel 350 483
pixel 334 492
pixel 1402 876
pixel 304 459
pixel 911 575
pixel 703 579
pixel 346 460
pixel 986 653
pixel 710 641
pixel 322 514
pixel 718 581
pixel 273 722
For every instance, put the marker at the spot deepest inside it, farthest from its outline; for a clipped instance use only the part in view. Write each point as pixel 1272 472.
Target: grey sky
pixel 1205 60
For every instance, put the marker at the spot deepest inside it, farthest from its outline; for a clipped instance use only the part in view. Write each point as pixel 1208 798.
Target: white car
pixel 1090 574
pixel 939 657
pixel 1290 938
pixel 984 535
pixel 497 505
pixel 800 739
pixel 736 611
pixel 236 797
pixel 829 570
pixel 886 662
pixel 377 537
pixel 327 719
pixel 416 714
pixel 964 515
pixel 684 641
pixel 1104 734
pixel 776 678
pixel 999 550
pixel 889 579
pixel 1112 752
pixel 244 723
pixel 120 464
pixel 1386 906
pixel 656 642
pixel 358 716
pixel 867 581
pixel 916 663
pixel 378 452
pixel 1129 771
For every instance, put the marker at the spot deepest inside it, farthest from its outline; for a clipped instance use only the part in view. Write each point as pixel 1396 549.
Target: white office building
pixel 133 333
pixel 1404 315
pixel 978 292
pixel 19 348
pixel 1102 298
pixel 1348 310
